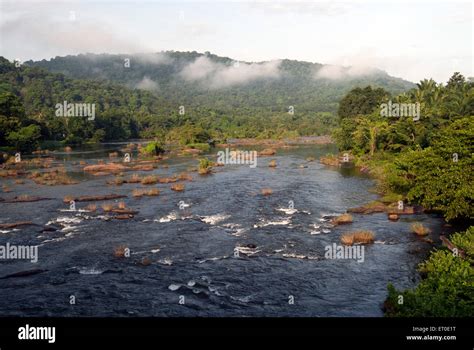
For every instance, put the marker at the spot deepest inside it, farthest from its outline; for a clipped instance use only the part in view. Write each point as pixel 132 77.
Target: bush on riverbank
pixel 447 289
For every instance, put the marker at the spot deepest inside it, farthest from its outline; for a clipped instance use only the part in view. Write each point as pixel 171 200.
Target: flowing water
pixel 227 250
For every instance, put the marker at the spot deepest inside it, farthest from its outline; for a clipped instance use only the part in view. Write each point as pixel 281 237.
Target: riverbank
pixel 447 275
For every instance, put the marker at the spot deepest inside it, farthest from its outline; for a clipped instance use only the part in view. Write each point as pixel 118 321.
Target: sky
pixel 413 40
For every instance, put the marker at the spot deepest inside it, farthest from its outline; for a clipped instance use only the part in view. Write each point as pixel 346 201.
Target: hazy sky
pixel 408 39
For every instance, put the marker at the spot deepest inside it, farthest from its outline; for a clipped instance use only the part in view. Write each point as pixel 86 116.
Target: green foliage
pixel 296 85
pixel 153 148
pixel 465 241
pixel 435 178
pixel 420 154
pixel 259 109
pixel 99 135
pixel 25 138
pixel 204 163
pixel 447 290
pixel 361 102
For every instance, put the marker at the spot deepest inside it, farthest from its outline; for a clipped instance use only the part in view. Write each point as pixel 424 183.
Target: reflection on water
pixel 229 252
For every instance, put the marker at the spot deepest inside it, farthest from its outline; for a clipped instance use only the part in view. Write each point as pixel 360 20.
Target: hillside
pixel 191 78
pixel 183 97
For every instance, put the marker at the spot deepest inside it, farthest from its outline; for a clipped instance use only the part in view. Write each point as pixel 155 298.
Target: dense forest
pixel 224 85
pixel 149 98
pixel 426 161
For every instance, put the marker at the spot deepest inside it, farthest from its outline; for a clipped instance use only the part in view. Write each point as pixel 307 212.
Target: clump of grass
pixel 149 180
pixel 6 189
pixel 310 159
pixel 119 252
pixel 165 180
pixel 23 197
pixel 135 178
pixel 419 229
pixel 140 193
pixel 342 219
pixel 205 166
pixel 137 193
pixel 177 187
pixel 107 207
pixel 152 192
pixel 51 178
pixel 68 199
pixel 118 181
pixel 91 207
pixel 364 237
pixel 347 239
pixel 19 182
pixel 361 237
pixel 272 163
pixel 122 205
pixel 113 155
pixel 267 191
pixel 67 149
pixel 185 177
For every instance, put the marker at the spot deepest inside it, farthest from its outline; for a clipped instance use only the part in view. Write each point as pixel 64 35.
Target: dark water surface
pixel 192 249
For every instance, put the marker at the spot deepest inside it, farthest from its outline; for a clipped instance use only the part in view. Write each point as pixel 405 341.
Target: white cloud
pixel 218 75
pixel 339 72
pixel 153 58
pixel 147 84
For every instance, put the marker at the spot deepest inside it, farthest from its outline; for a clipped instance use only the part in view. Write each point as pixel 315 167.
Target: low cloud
pixel 153 58
pixel 218 75
pixel 339 72
pixel 147 84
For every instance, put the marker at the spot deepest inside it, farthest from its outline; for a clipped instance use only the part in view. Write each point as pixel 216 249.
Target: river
pixel 195 269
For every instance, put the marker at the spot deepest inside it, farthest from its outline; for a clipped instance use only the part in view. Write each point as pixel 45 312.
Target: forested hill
pixel 184 97
pixel 225 85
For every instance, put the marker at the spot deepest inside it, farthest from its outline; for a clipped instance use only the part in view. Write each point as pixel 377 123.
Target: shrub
pixel 362 237
pixel 419 229
pixel 179 187
pixel 153 148
pixel 120 251
pixel 150 180
pixel 205 166
pixel 135 178
pixel 445 292
pixel 342 219
pixel 68 199
pixel 137 192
